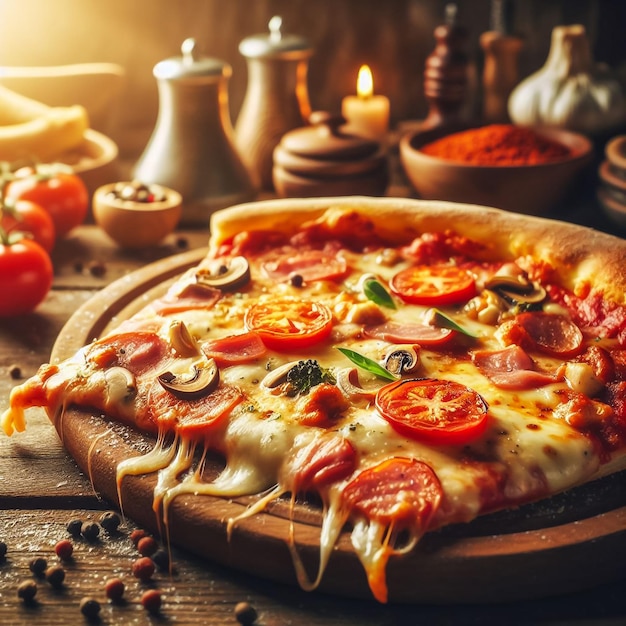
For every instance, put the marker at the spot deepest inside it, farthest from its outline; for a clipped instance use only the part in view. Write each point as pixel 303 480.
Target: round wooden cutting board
pixel 573 541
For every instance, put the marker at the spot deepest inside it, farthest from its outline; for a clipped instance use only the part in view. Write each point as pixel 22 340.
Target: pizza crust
pixel 581 255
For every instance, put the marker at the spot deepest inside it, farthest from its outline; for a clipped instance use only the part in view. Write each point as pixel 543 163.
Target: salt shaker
pixel 192 148
pixel 276 98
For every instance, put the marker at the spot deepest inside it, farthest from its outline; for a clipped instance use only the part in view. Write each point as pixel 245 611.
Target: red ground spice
pixel 498 144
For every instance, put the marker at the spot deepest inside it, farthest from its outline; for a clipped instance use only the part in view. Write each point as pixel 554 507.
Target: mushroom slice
pixel 203 380
pixel 278 376
pixel 120 384
pixel 402 359
pixel 225 276
pixel 349 384
pixel 181 340
pixel 516 289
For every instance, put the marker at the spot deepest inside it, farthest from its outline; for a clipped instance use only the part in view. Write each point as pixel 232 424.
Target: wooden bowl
pixel 134 224
pixel 95 160
pixel 529 189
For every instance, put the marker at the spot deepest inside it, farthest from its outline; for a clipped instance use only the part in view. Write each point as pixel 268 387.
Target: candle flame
pixel 365 82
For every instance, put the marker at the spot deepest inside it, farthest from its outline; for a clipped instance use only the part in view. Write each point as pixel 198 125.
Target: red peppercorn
pixel 136 535
pixel 64 549
pixel 114 589
pixel 147 546
pixel 143 568
pixel 151 600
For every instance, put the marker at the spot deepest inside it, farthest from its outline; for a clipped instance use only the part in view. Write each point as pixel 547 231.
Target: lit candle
pixel 366 113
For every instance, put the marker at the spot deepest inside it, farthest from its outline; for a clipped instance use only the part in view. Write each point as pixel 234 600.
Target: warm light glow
pixel 365 82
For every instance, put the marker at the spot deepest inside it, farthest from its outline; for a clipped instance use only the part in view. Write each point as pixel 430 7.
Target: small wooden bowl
pixel 529 189
pixel 134 224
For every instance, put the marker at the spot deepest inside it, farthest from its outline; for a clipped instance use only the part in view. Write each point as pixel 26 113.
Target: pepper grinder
pixel 192 147
pixel 276 99
pixel 446 74
pixel 500 74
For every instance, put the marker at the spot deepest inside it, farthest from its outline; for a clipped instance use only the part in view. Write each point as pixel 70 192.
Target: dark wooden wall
pixel 393 36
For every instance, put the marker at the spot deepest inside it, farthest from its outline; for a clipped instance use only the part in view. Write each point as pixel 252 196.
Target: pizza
pixel 401 366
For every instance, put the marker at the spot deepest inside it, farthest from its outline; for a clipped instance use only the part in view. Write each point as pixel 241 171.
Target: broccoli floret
pixel 305 375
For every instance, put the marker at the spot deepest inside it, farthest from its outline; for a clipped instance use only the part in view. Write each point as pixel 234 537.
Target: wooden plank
pixel 203 593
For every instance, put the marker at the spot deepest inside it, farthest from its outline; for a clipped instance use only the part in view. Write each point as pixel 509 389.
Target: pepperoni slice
pixel 310 265
pixel 321 462
pixel 438 411
pixel 554 335
pixel 196 419
pixel 234 349
pixel 402 491
pixel 434 285
pixel 138 351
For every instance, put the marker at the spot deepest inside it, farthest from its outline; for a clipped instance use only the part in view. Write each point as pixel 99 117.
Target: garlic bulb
pixel 568 90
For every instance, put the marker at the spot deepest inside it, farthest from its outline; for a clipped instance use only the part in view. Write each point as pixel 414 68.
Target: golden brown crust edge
pixel 582 255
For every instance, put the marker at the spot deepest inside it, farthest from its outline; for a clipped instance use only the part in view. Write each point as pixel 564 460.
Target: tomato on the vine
pixel 63 194
pixel 29 218
pixel 25 276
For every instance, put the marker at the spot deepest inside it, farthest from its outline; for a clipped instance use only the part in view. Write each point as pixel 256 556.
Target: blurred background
pixel 393 37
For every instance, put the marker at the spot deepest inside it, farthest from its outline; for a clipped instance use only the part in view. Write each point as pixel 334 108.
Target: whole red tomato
pixel 25 276
pixel 30 218
pixel 61 193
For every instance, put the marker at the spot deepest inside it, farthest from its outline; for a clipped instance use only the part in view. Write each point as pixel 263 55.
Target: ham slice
pixel 510 368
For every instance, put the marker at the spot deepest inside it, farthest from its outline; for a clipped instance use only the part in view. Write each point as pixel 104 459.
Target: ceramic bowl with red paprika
pixel 522 169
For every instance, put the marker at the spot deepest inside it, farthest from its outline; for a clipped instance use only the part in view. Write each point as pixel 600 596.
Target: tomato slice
pixel 289 324
pixel 437 411
pixel 434 284
pixel 310 265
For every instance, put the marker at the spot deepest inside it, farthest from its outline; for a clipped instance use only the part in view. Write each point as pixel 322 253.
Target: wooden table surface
pixel 41 489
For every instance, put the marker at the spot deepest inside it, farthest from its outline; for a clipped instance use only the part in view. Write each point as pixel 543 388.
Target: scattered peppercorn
pixel 90 531
pixel 182 243
pixel 114 589
pixel 296 280
pixel 90 608
pixel 161 559
pixel 143 568
pixel 73 527
pixel 97 269
pixel 110 521
pixel 64 549
pixel 245 613
pixel 27 590
pixel 55 575
pixel 137 535
pixel 38 566
pixel 3 550
pixel 147 546
pixel 15 372
pixel 151 600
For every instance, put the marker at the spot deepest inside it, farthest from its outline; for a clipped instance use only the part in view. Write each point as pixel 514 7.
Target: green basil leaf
pixel 443 321
pixel 367 364
pixel 375 292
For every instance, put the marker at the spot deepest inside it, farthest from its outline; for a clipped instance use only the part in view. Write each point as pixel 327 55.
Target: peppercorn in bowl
pixel 518 168
pixel 136 215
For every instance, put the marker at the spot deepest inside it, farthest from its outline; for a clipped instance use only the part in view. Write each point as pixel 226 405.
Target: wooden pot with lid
pixel 326 159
